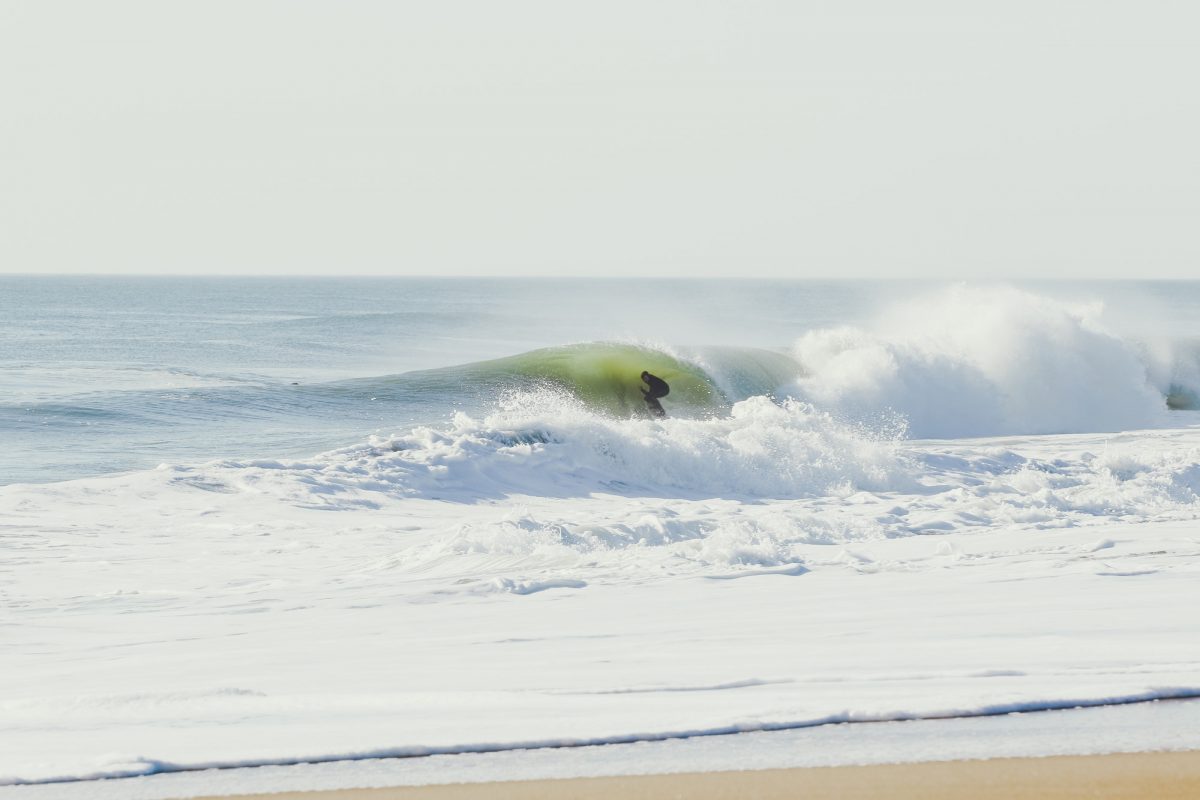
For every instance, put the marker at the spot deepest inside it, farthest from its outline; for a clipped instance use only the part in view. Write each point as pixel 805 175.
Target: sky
pixel 858 138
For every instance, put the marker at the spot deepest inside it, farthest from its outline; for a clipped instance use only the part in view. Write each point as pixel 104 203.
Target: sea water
pixel 253 521
pixel 104 374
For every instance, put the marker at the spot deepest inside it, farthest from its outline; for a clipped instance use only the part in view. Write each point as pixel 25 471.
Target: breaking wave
pixel 995 361
pixel 605 377
pixel 961 362
pixel 548 444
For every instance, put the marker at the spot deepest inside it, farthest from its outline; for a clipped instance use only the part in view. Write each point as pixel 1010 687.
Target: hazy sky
pixel 780 139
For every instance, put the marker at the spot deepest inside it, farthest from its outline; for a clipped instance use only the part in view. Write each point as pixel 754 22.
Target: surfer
pixel 658 388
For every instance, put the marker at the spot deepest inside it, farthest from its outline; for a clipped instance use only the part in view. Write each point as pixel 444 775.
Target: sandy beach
pixel 1163 776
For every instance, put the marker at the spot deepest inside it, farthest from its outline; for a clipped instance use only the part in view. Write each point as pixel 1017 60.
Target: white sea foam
pixel 986 361
pixel 545 443
pixel 547 576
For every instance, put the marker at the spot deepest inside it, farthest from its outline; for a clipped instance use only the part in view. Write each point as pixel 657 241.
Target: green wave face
pixel 607 377
pixel 743 372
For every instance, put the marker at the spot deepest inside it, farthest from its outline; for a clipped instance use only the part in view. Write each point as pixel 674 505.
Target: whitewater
pixel 252 524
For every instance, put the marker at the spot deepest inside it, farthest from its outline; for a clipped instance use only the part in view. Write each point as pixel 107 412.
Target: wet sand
pixel 1161 776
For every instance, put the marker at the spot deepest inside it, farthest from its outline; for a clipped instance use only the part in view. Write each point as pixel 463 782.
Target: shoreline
pixel 1117 776
pixel 1111 736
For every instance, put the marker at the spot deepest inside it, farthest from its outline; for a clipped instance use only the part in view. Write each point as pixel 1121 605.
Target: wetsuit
pixel 658 388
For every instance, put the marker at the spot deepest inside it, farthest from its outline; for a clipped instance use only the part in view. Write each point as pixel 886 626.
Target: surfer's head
pixel 645 375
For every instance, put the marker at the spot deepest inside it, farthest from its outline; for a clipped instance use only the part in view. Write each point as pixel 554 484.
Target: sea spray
pixel 983 361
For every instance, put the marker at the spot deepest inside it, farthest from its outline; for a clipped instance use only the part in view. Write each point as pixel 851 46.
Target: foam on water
pixel 361 601
pixel 548 443
pixel 984 361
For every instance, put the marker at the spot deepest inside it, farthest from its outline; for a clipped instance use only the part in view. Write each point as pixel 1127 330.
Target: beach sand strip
pixel 1163 776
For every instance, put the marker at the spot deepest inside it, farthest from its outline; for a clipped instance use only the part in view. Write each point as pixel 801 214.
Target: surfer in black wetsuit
pixel 658 388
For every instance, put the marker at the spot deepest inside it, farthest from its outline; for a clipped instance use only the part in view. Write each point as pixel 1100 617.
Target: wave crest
pixel 984 361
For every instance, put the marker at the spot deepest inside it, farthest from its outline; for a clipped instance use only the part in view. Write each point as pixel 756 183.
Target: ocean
pixel 255 521
pixel 107 374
